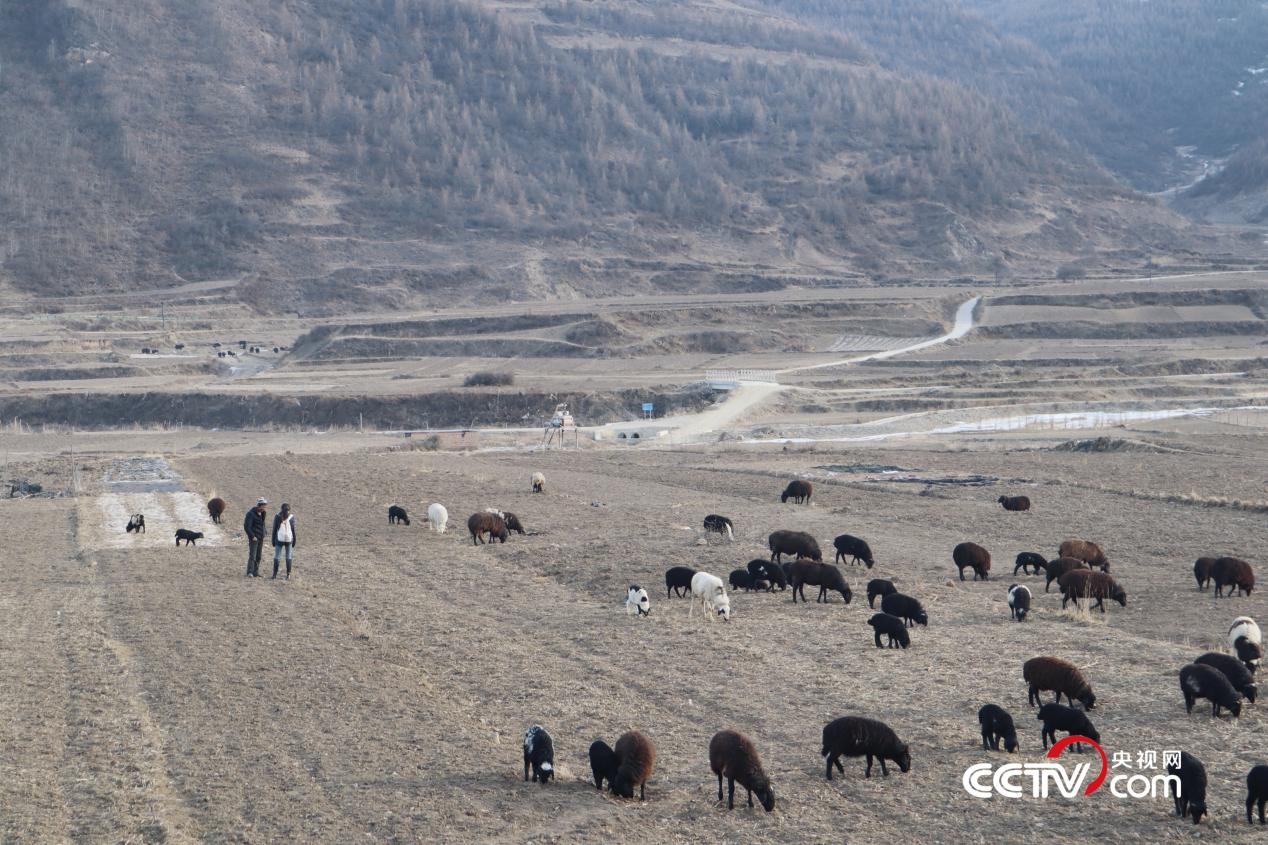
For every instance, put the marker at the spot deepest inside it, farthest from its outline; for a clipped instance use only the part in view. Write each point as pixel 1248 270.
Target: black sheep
pixel 893 627
pixel 1256 791
pixel 856 549
pixel 879 587
pixel 1190 798
pixel 775 574
pixel 732 755
pixel 798 491
pixel 1058 717
pixel 1030 560
pixel 1197 680
pixel 796 543
pixel 972 556
pixel 1015 503
pixel 539 753
pixel 1236 672
pixel 825 576
pixel 1202 571
pixel 602 763
pixel 742 579
pixel 190 537
pixel 1061 676
pixel 635 757
pixel 1060 566
pixel 905 608
pixel 996 725
pixel 1233 573
pixel 396 514
pixel 856 736
pixel 679 578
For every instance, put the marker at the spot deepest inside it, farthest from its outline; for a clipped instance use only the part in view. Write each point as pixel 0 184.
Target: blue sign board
pixel 648 406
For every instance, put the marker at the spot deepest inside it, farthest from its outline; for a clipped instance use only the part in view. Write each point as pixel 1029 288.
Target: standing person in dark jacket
pixel 285 536
pixel 253 525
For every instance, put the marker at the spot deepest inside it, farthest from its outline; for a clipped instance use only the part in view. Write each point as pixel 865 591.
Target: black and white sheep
pixel 972 556
pixel 796 543
pixel 190 537
pixel 892 627
pixel 825 576
pixel 637 602
pixel 856 736
pixel 1256 791
pixel 1190 798
pixel 997 725
pixel 539 754
pixel 718 524
pixel 1030 560
pixel 1238 675
pixel 395 514
pixel 879 587
pixel 1246 641
pixel 1197 680
pixel 678 579
pixel 854 548
pixel 136 523
pixel 602 763
pixel 732 756
pixel 635 757
pixel 1019 602
pixel 906 608
pixel 1060 676
pixel 1058 717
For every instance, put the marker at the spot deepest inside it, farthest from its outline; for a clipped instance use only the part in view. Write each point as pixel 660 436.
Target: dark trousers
pixel 255 545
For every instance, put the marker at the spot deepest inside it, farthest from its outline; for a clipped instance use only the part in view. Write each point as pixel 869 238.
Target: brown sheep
pixel 1232 572
pixel 635 756
pixel 216 509
pixel 1060 566
pixel 797 543
pixel 1084 583
pixel 972 556
pixel 1202 571
pixel 798 491
pixel 1063 677
pixel 825 576
pixel 732 756
pixel 480 524
pixel 1015 503
pixel 1086 551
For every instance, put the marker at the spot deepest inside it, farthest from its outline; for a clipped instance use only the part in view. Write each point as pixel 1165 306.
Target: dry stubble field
pixel 155 695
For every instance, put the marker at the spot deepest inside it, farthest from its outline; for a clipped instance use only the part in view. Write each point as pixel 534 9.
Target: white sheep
pixel 539 482
pixel 636 601
pixel 709 591
pixel 1246 640
pixel 438 517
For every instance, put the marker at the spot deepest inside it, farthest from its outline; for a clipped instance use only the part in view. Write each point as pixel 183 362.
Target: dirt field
pixel 151 694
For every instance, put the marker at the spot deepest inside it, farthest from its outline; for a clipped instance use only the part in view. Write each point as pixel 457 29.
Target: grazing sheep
pixel 1028 560
pixel 635 756
pixel 1232 572
pixel 637 602
pixel 770 574
pixel 437 517
pixel 742 579
pixel 538 482
pixel 1202 571
pixel 906 608
pixel 857 550
pixel 797 543
pixel 708 591
pixel 136 523
pixel 480 524
pixel 396 514
pixel 891 626
pixel 190 537
pixel 798 491
pixel 823 575
pixel 1190 797
pixel 1058 717
pixel 997 725
pixel 1246 641
pixel 539 753
pixel 602 763
pixel 1015 503
pixel 1060 566
pixel 1060 676
pixel 216 509
pixel 717 524
pixel 1256 791
pixel 678 579
pixel 972 556
pixel 1236 672
pixel 1018 602
pixel 512 521
pixel 732 755
pixel 1086 551
pixel 1086 583
pixel 879 587
pixel 1197 680
pixel 856 736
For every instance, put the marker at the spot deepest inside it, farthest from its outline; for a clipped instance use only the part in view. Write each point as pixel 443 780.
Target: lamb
pixel 512 521
pixel 538 483
pixel 539 753
pixel 1190 797
pixel 1027 560
pixel 678 579
pixel 602 763
pixel 996 725
pixel 216 509
pixel 480 524
pixel 637 602
pixel 1063 677
pixel 1086 551
pixel 891 626
pixel 856 736
pixel 1246 641
pixel 905 608
pixel 437 517
pixel 396 514
pixel 797 543
pixel 972 556
pixel 1197 680
pixel 1232 572
pixel 1015 503
pixel 799 491
pixel 1202 571
pixel 136 523
pixel 635 756
pixel 879 587
pixel 857 549
pixel 1059 567
pixel 190 537
pixel 1233 669
pixel 732 755
pixel 1085 583
pixel 823 575
pixel 1256 791
pixel 1058 717
pixel 717 524
pixel 742 579
pixel 1018 602
pixel 707 591
pixel 771 573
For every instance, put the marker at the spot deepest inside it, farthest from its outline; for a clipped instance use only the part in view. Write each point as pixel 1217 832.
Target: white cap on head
pixel 261 501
